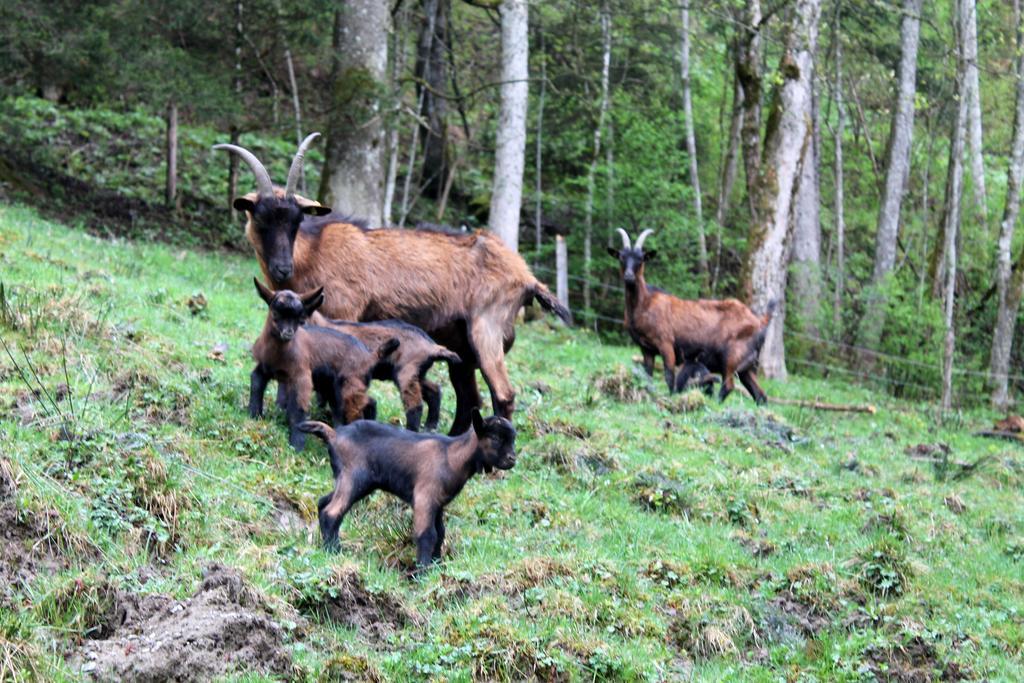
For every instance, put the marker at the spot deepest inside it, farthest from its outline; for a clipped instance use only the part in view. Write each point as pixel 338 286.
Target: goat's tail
pixel 441 353
pixel 388 348
pixel 326 433
pixel 550 303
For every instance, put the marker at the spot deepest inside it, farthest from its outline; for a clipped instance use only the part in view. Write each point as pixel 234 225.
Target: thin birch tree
pixel 588 235
pixel 901 132
pixel 691 143
pixel 1008 290
pixel 510 154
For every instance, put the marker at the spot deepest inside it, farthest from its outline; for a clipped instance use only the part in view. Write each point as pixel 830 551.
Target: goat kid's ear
pixel 649 255
pixel 265 294
pixel 613 252
pixel 478 421
pixel 313 300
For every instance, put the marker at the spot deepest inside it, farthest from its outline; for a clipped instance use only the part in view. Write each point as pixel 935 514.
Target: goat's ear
pixel 243 204
pixel 265 293
pixel 313 300
pixel 478 422
pixel 613 252
pixel 316 210
pixel 649 255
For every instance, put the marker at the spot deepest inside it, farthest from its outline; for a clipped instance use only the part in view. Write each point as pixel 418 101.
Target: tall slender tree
pixel 510 155
pixel 974 128
pixel 807 227
pixel 951 208
pixel 787 140
pixel 838 210
pixel 691 142
pixel 588 235
pixel 1009 295
pixel 897 167
pixel 353 176
pixel 431 82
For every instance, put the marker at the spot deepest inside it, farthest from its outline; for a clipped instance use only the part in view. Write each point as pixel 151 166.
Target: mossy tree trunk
pixel 353 177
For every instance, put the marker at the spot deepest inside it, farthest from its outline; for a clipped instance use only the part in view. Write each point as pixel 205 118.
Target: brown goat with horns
pixel 692 337
pixel 462 290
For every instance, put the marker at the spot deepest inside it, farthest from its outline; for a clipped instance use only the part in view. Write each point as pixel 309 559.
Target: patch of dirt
pixel 575 458
pixel 558 426
pixel 624 385
pixel 687 402
pixel 287 516
pixel 25 546
pixel 349 602
pixel 758 547
pixel 914 661
pixel 788 618
pixel 928 451
pixel 224 627
pixel 762 425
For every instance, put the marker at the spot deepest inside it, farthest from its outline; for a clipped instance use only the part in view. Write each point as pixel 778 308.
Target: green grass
pixel 630 542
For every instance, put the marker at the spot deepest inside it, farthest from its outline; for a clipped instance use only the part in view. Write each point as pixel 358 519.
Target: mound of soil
pixel 764 426
pixel 25 550
pixel 915 661
pixel 224 627
pixel 349 602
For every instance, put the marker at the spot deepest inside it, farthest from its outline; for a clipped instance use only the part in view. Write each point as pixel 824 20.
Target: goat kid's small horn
pixel 625 238
pixel 264 186
pixel 642 237
pixel 295 171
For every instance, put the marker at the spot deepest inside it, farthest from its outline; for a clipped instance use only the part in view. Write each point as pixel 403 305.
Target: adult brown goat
pixel 693 337
pixel 464 290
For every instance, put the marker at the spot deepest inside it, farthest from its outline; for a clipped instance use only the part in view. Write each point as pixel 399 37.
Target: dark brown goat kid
pixel 692 337
pixel 304 358
pixel 426 471
pixel 407 367
pixel 464 290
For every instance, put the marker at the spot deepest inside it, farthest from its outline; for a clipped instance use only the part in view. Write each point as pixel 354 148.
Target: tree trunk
pixel 588 235
pixel 414 145
pixel 539 159
pixel 728 176
pixel 1009 300
pixel 297 111
pixel 432 76
pixel 171 190
pixel 898 166
pixel 395 122
pixel 353 177
pixel 561 271
pixel 748 73
pixel 510 155
pixel 807 228
pixel 691 144
pixel 951 217
pixel 838 199
pixel 787 141
pixel 974 136
pixel 236 85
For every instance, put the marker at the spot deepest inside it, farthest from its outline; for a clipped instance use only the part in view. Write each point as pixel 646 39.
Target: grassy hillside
pixel 150 528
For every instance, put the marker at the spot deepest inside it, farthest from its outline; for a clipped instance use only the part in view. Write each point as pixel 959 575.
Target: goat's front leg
pixel 432 395
pixel 300 391
pixel 257 387
pixel 439 529
pixel 424 518
pixel 668 357
pixel 648 361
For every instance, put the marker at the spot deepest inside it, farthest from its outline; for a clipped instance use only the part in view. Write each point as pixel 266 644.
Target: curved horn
pixel 625 238
pixel 264 186
pixel 296 168
pixel 640 240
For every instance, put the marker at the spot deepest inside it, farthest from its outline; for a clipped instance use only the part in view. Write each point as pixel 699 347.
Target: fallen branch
pixel 818 405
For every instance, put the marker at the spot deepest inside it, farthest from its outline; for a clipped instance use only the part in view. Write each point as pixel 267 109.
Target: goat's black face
pixel 497 439
pixel 288 310
pixel 276 221
pixel 631 262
